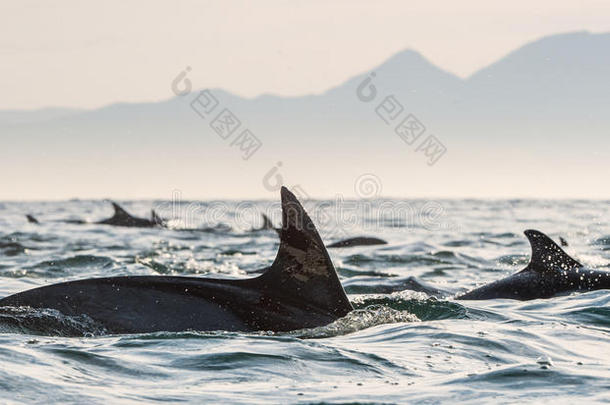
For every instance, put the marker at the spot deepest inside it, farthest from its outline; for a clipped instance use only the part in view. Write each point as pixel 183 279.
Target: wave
pixel 32 321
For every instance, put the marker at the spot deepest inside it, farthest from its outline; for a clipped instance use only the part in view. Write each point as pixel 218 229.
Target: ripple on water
pixel 11 248
pixel 358 319
pixel 47 322
pixel 603 242
pixel 423 307
pixel 62 267
pixel 398 346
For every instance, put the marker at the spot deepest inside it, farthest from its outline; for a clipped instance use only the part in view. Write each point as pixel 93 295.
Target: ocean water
pixel 408 340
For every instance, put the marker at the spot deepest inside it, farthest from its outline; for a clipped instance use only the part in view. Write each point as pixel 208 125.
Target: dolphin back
pixel 123 218
pixel 303 265
pixel 301 289
pixel 550 272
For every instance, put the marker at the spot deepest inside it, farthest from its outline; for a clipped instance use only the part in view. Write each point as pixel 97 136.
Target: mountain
pixel 550 76
pixel 533 124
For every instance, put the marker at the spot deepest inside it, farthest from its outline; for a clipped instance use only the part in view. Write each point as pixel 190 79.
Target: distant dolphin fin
pixel 547 255
pixel 31 219
pixel 119 211
pixel 123 218
pixel 267 224
pixel 302 268
pixel 156 219
pixel 357 241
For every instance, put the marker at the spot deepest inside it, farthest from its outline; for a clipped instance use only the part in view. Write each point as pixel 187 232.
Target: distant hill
pixel 535 123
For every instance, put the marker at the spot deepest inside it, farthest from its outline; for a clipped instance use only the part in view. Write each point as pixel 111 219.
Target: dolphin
pixel 120 218
pixel 267 225
pixel 123 218
pixel 551 272
pixel 157 219
pixel 357 241
pixel 33 220
pixel 301 289
pixel 351 242
pixel 389 285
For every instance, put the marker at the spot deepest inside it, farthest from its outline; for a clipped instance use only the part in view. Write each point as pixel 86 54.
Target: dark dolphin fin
pixel 267 224
pixel 119 211
pixel 564 243
pixel 302 268
pixel 357 241
pixel 31 219
pixel 547 255
pixel 120 217
pixel 156 219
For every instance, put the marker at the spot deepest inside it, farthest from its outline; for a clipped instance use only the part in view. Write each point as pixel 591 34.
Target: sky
pixel 86 55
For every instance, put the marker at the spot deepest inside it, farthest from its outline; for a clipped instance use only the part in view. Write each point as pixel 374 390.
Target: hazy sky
pixel 81 54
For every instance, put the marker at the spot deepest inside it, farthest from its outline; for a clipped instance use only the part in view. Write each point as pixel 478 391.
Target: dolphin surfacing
pixel 551 272
pixel 123 218
pixel 301 289
pixel 120 218
pixel 267 226
pixel 357 241
pixel 351 242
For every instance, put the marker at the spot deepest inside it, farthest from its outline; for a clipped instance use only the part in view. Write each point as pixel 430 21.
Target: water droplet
pixel 545 362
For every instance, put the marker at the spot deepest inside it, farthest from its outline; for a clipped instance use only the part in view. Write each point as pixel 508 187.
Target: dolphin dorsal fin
pixel 302 268
pixel 31 219
pixel 547 255
pixel 267 224
pixel 155 218
pixel 119 211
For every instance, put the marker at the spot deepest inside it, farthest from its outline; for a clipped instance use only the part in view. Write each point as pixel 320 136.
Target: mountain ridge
pixel 406 58
pixel 497 130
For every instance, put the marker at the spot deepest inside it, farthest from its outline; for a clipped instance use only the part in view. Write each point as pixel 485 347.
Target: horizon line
pixel 234 199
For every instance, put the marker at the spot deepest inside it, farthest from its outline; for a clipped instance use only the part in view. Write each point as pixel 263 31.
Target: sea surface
pixel 409 341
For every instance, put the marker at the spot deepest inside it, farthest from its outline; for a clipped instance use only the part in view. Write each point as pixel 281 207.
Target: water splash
pixel 356 320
